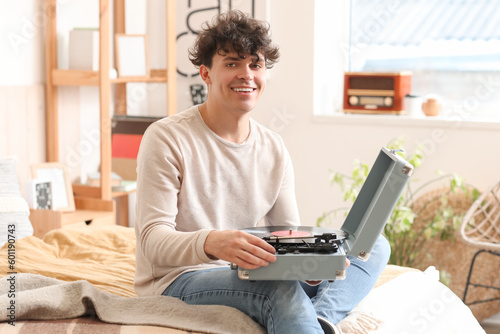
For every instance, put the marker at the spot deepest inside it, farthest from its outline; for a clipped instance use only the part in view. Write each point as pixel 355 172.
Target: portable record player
pixel 313 253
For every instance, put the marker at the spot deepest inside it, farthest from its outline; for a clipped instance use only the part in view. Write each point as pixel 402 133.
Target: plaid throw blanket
pixel 36 297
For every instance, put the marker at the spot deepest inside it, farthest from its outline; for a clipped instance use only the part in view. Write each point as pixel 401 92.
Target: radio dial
pixel 353 100
pixel 388 101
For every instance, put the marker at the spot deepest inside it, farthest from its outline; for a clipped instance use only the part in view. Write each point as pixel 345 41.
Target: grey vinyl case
pixel 375 202
pixel 363 225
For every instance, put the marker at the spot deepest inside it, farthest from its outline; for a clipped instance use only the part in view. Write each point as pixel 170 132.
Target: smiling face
pixel 235 83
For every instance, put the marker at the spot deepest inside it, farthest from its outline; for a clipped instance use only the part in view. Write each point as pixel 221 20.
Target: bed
pixel 81 278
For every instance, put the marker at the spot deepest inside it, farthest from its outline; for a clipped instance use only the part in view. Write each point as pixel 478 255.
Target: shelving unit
pixel 88 197
pixel 89 211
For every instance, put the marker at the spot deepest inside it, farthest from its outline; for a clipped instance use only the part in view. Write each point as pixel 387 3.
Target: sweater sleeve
pixel 159 179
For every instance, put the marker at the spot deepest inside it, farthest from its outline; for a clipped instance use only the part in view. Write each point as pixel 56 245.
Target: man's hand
pixel 241 248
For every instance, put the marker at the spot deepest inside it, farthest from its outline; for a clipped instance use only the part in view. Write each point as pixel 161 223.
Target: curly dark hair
pixel 236 31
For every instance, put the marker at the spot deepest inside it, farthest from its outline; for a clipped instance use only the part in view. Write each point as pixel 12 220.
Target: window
pixel 452 48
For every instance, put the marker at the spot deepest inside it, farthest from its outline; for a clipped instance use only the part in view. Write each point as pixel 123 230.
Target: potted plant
pixel 407 241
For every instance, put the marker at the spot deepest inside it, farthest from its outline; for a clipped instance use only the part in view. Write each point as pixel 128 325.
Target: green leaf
pixel 475 194
pixel 338 179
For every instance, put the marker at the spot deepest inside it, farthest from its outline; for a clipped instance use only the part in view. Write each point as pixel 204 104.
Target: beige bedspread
pixel 101 255
pixel 104 256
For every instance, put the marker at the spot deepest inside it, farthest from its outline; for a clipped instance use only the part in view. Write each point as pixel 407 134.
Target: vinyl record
pixel 291 233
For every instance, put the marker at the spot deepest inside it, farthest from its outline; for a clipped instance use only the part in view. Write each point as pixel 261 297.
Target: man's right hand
pixel 241 248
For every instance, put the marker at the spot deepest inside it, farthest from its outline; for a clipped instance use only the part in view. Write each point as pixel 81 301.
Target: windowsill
pixel 404 120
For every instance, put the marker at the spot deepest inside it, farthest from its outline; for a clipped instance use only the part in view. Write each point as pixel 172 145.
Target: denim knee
pixel 382 249
pixel 290 308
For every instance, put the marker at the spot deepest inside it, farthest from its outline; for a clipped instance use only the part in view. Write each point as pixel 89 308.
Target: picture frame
pixel 39 194
pixel 131 55
pixel 62 191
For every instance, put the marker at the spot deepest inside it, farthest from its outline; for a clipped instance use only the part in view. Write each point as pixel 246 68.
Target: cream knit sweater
pixel 191 181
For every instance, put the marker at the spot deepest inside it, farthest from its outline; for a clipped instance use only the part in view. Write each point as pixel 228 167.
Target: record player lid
pixel 376 200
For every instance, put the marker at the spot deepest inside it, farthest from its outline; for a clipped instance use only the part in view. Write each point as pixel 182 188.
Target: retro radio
pixel 376 93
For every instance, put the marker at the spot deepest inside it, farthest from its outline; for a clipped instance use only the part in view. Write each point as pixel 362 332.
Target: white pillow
pixel 416 302
pixel 14 211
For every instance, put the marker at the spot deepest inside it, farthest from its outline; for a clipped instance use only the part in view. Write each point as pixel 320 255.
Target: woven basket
pixel 455 256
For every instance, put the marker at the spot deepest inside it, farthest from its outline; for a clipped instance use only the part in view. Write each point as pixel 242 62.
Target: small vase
pixel 431 107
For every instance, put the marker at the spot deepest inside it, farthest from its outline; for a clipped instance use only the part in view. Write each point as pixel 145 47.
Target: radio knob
pixel 353 100
pixel 388 101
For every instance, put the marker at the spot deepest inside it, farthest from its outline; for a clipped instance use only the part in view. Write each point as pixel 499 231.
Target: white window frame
pixel 332 59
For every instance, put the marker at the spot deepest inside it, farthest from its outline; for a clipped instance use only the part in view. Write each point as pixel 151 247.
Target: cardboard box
pixel 126 168
pixel 126 138
pixel 84 49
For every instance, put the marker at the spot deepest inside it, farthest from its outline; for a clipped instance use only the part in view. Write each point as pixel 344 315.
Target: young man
pixel 210 171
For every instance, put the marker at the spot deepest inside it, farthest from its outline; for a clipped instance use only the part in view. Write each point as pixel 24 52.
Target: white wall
pixel 316 144
pixel 22 102
pixel 21 29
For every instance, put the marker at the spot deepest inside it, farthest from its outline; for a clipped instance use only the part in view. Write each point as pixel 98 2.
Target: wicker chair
pixel 480 229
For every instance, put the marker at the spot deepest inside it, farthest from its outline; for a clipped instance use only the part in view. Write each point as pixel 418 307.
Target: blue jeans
pixel 284 306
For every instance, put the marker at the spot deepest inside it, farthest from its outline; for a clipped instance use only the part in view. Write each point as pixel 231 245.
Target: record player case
pixel 322 254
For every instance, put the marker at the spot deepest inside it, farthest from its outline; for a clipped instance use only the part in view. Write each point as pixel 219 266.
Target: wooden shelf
pixel 75 78
pixel 91 78
pixel 84 190
pixel 88 211
pixel 155 76
pixel 100 79
pixel 121 197
pixel 138 79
